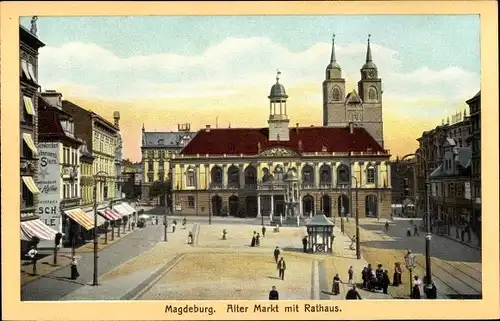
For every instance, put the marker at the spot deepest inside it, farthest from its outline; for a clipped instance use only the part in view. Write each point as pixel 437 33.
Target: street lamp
pixel 428 273
pixel 97 176
pixel 410 261
pixel 358 247
pixel 210 204
pixel 341 211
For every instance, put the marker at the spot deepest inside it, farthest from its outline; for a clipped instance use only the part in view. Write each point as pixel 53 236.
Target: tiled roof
pixel 49 125
pixel 169 139
pixel 246 141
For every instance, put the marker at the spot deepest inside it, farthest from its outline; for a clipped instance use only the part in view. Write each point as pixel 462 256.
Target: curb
pixel 464 243
pixel 142 288
pixel 76 252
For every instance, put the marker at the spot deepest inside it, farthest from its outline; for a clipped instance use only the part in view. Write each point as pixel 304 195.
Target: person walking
pixel 281 268
pixel 353 294
pixel 350 273
pixel 184 221
pixel 304 244
pixel 33 255
pixel 386 226
pixel 174 225
pixel 336 285
pixel 263 231
pixel 415 293
pixel 273 294
pixel 415 230
pixel 431 293
pixel 190 238
pixel 397 274
pixel 254 239
pixel 276 254
pixel 257 240
pixel 364 276
pixel 74 268
pixel 385 281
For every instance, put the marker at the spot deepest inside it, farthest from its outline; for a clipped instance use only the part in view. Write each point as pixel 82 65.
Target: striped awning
pixel 24 66
pixel 29 141
pixel 28 105
pixel 80 217
pixel 37 228
pixel 110 214
pixel 128 207
pixel 30 184
pixel 122 210
pixel 100 220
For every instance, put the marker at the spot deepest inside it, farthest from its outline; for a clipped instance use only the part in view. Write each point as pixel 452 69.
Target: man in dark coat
pixel 385 281
pixel 353 294
pixel 304 243
pixel 273 294
pixel 431 293
pixel 281 268
pixel 415 230
pixel 336 284
pixel 364 276
pixel 276 254
pixel 263 231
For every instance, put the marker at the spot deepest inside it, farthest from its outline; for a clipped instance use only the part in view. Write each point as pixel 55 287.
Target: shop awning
pixel 122 210
pixel 80 217
pixel 100 220
pixel 24 66
pixel 30 184
pixel 28 105
pixel 128 207
pixel 37 228
pixel 110 214
pixel 29 141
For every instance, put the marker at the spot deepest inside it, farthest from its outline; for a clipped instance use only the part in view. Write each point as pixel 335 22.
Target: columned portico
pixel 272 204
pixel 258 206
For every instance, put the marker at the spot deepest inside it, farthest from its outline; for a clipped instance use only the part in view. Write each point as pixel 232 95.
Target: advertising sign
pixel 49 184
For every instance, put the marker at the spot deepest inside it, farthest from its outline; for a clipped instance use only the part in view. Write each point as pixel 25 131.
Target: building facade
pixel 241 170
pixel 100 137
pixel 86 178
pixel 157 149
pixel 118 157
pixel 59 149
pixel 28 105
pixel 475 143
pixel 363 107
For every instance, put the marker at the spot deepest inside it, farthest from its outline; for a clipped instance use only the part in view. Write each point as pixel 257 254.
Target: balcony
pixel 250 186
pixel 270 186
pixel 325 185
pixel 308 185
pixel 233 185
pixel 27 167
pixel 216 185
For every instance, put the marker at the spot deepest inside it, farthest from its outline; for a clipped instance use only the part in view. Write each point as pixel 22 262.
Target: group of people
pixel 280 263
pixel 375 279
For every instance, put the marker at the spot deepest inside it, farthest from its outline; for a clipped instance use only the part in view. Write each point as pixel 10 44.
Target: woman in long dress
pixel 74 269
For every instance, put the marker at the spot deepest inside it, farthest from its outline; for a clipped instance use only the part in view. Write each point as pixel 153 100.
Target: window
pixel 161 154
pixel 191 202
pixel 150 165
pixel 372 93
pixel 343 175
pixel 190 179
pixel 336 94
pixel 150 178
pixel 28 199
pixel 27 152
pixel 370 175
pixel 278 174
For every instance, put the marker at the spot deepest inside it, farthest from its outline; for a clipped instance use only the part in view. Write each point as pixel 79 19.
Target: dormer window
pixel 161 142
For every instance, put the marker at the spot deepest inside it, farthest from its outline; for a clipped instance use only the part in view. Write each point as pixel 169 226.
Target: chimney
pixel 53 97
pixel 297 127
pixel 116 117
pixel 351 128
pixel 207 128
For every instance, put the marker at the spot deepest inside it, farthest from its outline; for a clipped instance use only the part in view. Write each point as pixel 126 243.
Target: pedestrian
pixel 431 292
pixel 184 221
pixel 276 254
pixel 174 224
pixel 74 268
pixel 353 241
pixel 263 231
pixel 190 238
pixel 273 294
pixel 386 226
pixel 415 293
pixel 385 281
pixel 364 276
pixel 224 234
pixel 156 218
pixel 379 273
pixel 336 284
pixel 254 240
pixel 33 255
pixel 257 240
pixel 353 294
pixel 350 273
pixel 462 234
pixel 415 230
pixel 304 244
pixel 397 274
pixel 281 268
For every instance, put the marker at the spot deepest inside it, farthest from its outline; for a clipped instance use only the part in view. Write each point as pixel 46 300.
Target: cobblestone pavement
pixel 456 268
pixel 57 284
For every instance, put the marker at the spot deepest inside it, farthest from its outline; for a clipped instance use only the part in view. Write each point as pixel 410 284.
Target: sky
pixel 163 71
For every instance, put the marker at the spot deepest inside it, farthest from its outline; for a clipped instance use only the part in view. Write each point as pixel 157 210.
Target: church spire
pixel 333 58
pixel 333 70
pixel 369 51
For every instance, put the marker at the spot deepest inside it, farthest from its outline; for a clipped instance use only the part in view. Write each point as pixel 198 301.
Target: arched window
pixel 370 175
pixel 372 93
pixel 336 94
pixel 191 177
pixel 343 176
pixel 278 173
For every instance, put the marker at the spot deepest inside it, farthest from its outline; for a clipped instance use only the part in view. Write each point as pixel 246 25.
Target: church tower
pixel 334 93
pixel 370 92
pixel 278 119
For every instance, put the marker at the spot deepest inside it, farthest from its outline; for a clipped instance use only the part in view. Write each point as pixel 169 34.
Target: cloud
pixel 232 79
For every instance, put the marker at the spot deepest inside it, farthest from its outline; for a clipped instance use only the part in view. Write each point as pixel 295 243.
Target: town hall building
pixel 244 170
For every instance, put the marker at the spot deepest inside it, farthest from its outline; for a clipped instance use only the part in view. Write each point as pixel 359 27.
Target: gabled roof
pixel 463 156
pixel 253 141
pixel 49 123
pixel 353 97
pixel 165 139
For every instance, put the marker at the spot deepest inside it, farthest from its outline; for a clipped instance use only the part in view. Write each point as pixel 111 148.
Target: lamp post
pixel 165 218
pixel 97 176
pixel 428 272
pixel 410 260
pixel 341 211
pixel 209 205
pixel 358 247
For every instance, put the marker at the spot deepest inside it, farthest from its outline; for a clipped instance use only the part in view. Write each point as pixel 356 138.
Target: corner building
pixel 240 171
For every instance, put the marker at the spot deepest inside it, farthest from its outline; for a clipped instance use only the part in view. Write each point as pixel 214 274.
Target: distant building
pixel 157 149
pixel 403 181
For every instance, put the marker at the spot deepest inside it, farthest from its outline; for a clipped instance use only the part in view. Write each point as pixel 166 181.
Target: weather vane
pixel 369 35
pixel 278 73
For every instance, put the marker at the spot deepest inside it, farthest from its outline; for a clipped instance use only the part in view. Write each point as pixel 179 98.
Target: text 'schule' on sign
pixel 49 185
